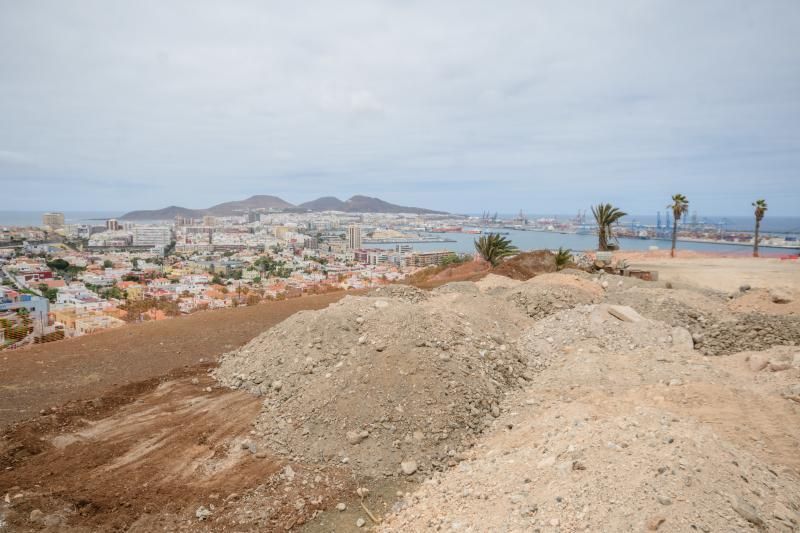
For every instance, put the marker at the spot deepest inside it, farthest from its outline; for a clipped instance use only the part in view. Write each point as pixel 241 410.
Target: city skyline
pixel 543 106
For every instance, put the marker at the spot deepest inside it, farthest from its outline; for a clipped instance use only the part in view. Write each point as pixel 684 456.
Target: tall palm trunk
pixel 755 242
pixel 603 244
pixel 674 236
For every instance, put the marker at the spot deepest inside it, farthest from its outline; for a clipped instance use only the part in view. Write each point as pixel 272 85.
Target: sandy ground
pixel 721 273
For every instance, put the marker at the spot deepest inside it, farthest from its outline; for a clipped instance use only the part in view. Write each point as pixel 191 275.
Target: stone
pixel 744 288
pixel 360 522
pixel 408 467
pixel 757 362
pixel 277 386
pixel 681 338
pixel 202 513
pixel 355 437
pixel 52 520
pixel 655 522
pixel 624 313
pixel 779 296
pixel 779 366
pixel 36 515
pixel 341 506
pixel 748 512
pixel 664 500
pixel 381 304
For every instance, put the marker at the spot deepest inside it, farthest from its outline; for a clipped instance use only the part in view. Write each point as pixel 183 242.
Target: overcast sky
pixel 463 106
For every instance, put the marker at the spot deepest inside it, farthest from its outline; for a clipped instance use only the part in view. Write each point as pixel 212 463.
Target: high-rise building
pixel 112 224
pixel 354 237
pixel 53 220
pixel 152 236
pixel 209 220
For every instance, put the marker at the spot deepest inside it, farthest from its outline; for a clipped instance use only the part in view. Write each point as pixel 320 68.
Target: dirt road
pixel 48 375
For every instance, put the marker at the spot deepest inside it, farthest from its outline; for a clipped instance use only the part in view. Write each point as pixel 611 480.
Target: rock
pixel 408 467
pixel 277 385
pixel 202 513
pixel 195 381
pixel 697 338
pixel 757 362
pixel 664 500
pixel 381 304
pixel 624 313
pixel 360 522
pixel 355 437
pixel 748 512
pixel 744 288
pixel 36 515
pixel 288 473
pixel 52 520
pixel 341 506
pixel 779 296
pixel 779 366
pixel 681 338
pixel 655 522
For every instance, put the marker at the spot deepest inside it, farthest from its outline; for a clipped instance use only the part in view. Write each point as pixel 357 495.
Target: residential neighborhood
pixel 64 280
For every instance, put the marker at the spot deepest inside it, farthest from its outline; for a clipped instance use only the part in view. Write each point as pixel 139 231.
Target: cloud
pixel 207 101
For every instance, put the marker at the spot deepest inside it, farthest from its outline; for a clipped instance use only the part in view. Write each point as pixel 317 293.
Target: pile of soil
pixel 547 294
pixel 382 384
pixel 432 277
pixel 526 265
pixel 593 329
pixel 620 438
pixel 710 317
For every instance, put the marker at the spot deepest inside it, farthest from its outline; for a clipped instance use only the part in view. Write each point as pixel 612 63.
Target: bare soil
pixel 51 374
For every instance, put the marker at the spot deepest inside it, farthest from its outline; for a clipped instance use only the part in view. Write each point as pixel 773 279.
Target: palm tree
pixel 680 205
pixel 605 215
pixel 494 247
pixel 563 257
pixel 761 210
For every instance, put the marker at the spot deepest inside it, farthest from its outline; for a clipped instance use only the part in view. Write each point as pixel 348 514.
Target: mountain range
pixel 355 204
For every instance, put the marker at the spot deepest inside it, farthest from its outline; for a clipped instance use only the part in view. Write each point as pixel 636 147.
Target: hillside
pixel 356 204
pixel 361 204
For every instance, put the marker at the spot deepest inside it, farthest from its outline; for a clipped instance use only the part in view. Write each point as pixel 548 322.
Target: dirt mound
pixel 707 315
pixel 627 438
pixel 405 293
pixel 494 284
pixel 749 331
pixel 594 329
pixel 434 276
pixel 549 293
pixel 381 384
pixel 526 265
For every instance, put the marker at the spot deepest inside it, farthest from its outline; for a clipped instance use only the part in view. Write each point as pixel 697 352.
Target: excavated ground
pixel 570 401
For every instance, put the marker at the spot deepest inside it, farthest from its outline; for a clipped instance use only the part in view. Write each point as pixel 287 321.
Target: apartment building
pixel 354 237
pixel 54 220
pixel 152 236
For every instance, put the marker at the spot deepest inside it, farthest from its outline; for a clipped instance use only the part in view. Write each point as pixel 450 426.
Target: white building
pixel 152 236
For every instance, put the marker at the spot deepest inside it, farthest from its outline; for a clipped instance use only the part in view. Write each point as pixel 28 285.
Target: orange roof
pixel 53 283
